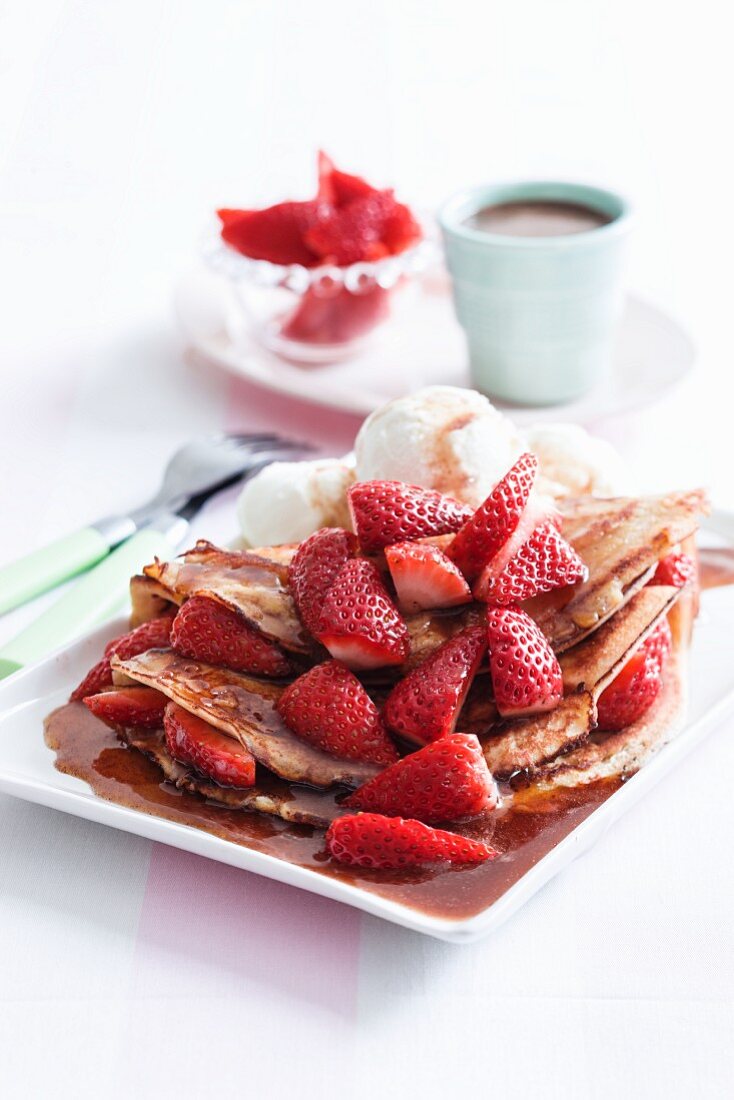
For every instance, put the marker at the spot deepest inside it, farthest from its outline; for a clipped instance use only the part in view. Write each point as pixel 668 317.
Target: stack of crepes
pixel 594 627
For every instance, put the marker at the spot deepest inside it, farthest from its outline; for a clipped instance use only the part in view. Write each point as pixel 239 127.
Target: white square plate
pixel 27 771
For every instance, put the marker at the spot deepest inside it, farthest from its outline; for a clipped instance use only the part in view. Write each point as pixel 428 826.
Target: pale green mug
pixel 539 313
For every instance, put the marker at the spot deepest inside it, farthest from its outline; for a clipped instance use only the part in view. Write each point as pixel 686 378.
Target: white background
pixel 122 124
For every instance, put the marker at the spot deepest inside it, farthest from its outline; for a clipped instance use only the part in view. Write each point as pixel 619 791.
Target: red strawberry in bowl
pixel 445 781
pixel 526 676
pixel 329 707
pixel 359 623
pixel 425 578
pixel 426 704
pixel 386 512
pixel 376 841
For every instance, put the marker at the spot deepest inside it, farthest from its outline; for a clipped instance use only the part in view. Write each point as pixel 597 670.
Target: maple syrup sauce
pixel 529 826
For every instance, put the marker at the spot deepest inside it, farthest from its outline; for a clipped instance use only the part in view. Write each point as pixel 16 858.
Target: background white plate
pixel 423 345
pixel 27 771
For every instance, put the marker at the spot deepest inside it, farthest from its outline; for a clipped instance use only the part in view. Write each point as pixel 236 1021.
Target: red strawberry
pixel 129 707
pixel 426 704
pixel 633 691
pixel 401 229
pixel 314 569
pixel 526 676
pixel 337 187
pixel 424 577
pixel 276 233
pixel 333 320
pixel 192 741
pixel 153 634
pixel 385 512
pixel 443 781
pixel 495 521
pixel 359 624
pixel 329 707
pixel 352 233
pixel 544 562
pixel 371 840
pixel 207 630
pixel 676 569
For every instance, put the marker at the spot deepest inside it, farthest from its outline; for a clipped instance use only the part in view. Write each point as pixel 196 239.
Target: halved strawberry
pixel 372 840
pixel 424 577
pixel 329 707
pixel 359 624
pixel 339 188
pixel 544 562
pixel 444 781
pixel 426 704
pixel 633 691
pixel 333 320
pixel 314 569
pixel 386 512
pixel 526 676
pixel 276 233
pixel 676 569
pixel 353 232
pixel 192 741
pixel 491 527
pixel 206 630
pixel 129 707
pixel 401 229
pixel 154 634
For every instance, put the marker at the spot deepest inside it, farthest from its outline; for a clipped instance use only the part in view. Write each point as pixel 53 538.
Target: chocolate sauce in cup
pixel 536 270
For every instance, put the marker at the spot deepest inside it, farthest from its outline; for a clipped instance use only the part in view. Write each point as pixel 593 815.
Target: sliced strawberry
pixel 359 624
pixel 495 521
pixel 526 676
pixel 192 741
pixel 334 320
pixel 277 233
pixel 386 512
pixel 372 840
pixel 424 577
pixel 154 634
pixel 544 562
pixel 207 630
pixel 329 707
pixel 426 704
pixel 401 229
pixel 325 192
pixel 676 569
pixel 633 691
pixel 353 232
pixel 129 707
pixel 314 569
pixel 444 781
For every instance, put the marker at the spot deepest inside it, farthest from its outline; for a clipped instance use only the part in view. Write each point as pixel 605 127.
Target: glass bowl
pixel 317 314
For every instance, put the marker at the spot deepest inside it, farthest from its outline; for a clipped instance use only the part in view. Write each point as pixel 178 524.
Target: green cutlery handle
pixel 43 569
pixel 98 595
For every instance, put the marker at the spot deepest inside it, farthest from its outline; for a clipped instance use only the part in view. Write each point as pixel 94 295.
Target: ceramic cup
pixel 539 313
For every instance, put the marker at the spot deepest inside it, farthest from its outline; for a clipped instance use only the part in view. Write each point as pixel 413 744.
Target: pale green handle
pixel 97 596
pixel 43 569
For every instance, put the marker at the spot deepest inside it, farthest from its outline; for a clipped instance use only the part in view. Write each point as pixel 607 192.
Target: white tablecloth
pixel 130 969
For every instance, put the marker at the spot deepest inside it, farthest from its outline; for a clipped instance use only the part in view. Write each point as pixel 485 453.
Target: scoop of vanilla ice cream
pixel 441 437
pixel 287 501
pixel 573 462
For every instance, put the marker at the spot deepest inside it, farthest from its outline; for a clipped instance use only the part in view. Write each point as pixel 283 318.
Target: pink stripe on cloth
pixel 236 928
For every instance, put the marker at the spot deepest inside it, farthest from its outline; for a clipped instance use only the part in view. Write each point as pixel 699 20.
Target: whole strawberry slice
pixel 424 577
pixel 154 634
pixel 207 630
pixel 444 781
pixel 359 623
pixel 526 676
pixel 314 569
pixel 495 521
pixel 129 707
pixel 192 741
pixel 372 840
pixel 385 512
pixel 329 707
pixel 676 569
pixel 426 704
pixel 633 691
pixel 544 562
